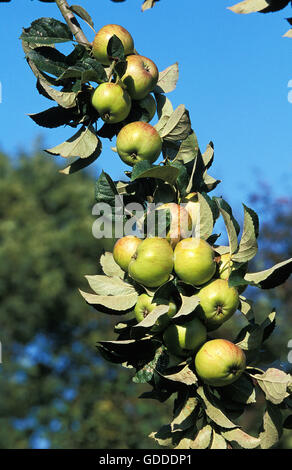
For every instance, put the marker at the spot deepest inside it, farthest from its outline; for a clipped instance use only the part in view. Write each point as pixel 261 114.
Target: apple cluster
pixel 113 100
pixel 153 260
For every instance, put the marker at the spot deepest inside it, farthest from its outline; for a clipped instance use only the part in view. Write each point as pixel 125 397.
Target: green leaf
pixel 241 391
pixel 53 117
pixel 115 48
pixel 203 438
pixel 82 13
pixel 251 336
pixel 153 316
pixel 218 441
pixel 243 439
pixel 188 149
pixel 272 277
pixel 184 414
pixel 178 126
pixel 182 374
pixel 167 79
pixel 145 374
pixel 47 31
pixel 110 267
pixel 82 144
pixel 231 224
pixel 144 169
pixel 79 164
pixel 104 285
pixel 89 70
pixel 208 216
pixel 64 99
pixel 182 179
pixel 213 409
pixel 188 306
pixel 106 190
pixel 271 426
pixel 114 304
pixel 248 244
pixel 249 6
pixel 274 383
pixel 48 59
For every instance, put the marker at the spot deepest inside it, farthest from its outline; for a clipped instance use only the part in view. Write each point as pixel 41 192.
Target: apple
pixel 192 205
pixel 112 102
pixel 124 249
pixel 138 141
pixel 218 302
pixel 101 40
pixel 141 76
pixel 184 340
pixel 226 268
pixel 194 261
pixel 145 305
pixel 148 104
pixel 180 223
pixel 220 362
pixel 152 263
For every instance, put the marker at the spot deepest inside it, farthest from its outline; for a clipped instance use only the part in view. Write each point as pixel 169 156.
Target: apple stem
pixel 72 22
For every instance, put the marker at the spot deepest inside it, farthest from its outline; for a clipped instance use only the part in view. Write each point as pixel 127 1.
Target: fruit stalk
pixel 72 22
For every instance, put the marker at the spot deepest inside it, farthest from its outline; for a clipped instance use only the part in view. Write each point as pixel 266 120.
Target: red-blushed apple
pixel 145 305
pixel 220 362
pixel 218 302
pixel 112 102
pixel 184 340
pixel 138 141
pixel 180 224
pixel 148 104
pixel 101 40
pixel 152 263
pixel 124 249
pixel 194 261
pixel 141 76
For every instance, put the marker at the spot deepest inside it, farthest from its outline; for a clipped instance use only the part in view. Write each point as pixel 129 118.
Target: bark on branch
pixel 72 22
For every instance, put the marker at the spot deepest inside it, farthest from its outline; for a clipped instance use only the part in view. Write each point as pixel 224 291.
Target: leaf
pixel 184 415
pixel 48 59
pixel 153 316
pixel 110 267
pixel 248 244
pixel 53 117
pixel 271 427
pixel 64 99
pixel 208 215
pixel 218 441
pixel 272 277
pixel 189 304
pixel 131 348
pixel 241 391
pixel 163 437
pixel 82 144
pixel 242 438
pixel 203 438
pixel 274 383
pixel 185 376
pixel 113 303
pixel 249 6
pixel 251 336
pixel 144 169
pixel 230 223
pixel 167 79
pixel 104 285
pixel 47 31
pixel 80 163
pixel 178 126
pixel 148 4
pixel 246 308
pixel 213 409
pixel 145 374
pixel 115 48
pixel 188 149
pixel 82 13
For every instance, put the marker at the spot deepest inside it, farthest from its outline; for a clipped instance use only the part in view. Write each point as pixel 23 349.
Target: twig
pixel 72 22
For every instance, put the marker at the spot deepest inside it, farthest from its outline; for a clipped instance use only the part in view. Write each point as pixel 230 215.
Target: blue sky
pixel 234 74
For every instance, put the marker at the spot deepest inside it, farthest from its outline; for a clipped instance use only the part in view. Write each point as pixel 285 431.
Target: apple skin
pixel 226 268
pixel 194 261
pixel 149 105
pixel 220 362
pixel 141 76
pixel 180 224
pixel 184 340
pixel 112 102
pixel 218 302
pixel 124 249
pixel 101 40
pixel 152 263
pixel 138 141
pixel 144 306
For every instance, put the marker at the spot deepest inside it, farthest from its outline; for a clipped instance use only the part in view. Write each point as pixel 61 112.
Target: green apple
pixel 184 340
pixel 220 362
pixel 141 76
pixel 101 40
pixel 152 263
pixel 226 267
pixel 218 302
pixel 124 249
pixel 145 305
pixel 180 223
pixel 138 141
pixel 194 261
pixel 112 102
pixel 148 104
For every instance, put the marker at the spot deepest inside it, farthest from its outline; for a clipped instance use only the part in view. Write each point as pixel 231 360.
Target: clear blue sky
pixel 234 74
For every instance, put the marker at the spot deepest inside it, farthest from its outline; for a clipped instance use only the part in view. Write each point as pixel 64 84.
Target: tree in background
pixel 55 390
